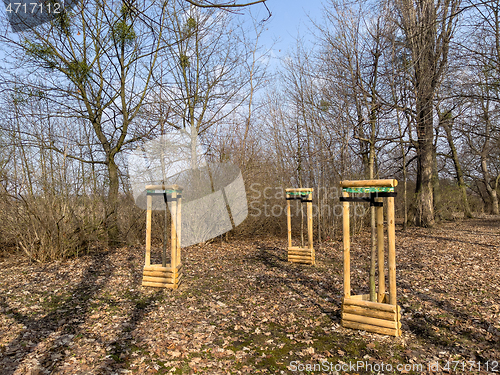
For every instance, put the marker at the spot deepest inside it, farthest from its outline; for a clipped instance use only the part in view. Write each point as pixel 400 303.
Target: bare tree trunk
pixel 485 151
pixel 112 204
pixel 428 28
pixel 491 191
pixel 405 173
pixel 435 175
pixel 425 152
pixel 446 122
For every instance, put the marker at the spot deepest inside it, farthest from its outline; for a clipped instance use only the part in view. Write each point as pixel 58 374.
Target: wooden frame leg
pixel 380 251
pixel 310 230
pixel 391 236
pixel 149 207
pixel 173 233
pixel 178 229
pixel 310 224
pixel 347 247
pixel 289 223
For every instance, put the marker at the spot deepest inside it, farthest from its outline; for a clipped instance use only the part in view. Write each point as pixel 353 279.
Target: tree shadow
pixel 441 332
pixel 268 256
pixel 67 320
pixel 457 240
pixel 61 320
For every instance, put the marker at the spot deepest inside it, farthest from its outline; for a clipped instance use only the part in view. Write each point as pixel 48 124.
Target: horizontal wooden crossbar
pixel 173 188
pixel 386 323
pixel 301 252
pixel 168 193
pixel 372 313
pixel 161 285
pixel 159 267
pixel 371 328
pixel 369 304
pixel 160 273
pixel 162 279
pixel 301 260
pixel 369 183
pixel 298 248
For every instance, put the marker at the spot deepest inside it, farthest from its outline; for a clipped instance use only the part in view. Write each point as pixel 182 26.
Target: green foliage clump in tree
pixel 123 33
pixel 62 22
pixel 41 53
pixel 123 30
pixel 79 70
pixel 184 60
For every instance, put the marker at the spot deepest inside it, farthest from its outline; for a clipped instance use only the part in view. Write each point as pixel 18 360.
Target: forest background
pixel 392 89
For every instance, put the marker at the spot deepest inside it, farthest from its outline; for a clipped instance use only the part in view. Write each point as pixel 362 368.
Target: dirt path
pixel 243 309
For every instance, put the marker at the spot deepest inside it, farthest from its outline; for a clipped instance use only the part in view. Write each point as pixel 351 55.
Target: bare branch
pixel 209 4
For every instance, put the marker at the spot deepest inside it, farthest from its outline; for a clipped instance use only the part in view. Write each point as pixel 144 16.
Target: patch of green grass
pixel 56 301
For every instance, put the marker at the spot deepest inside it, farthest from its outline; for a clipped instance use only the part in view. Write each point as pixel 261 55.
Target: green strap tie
pixel 369 190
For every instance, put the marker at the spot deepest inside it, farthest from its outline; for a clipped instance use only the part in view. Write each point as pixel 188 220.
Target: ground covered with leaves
pixel 243 309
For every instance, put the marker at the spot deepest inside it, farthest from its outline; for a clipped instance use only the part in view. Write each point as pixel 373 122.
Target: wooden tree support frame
pixel 358 312
pixel 300 254
pixel 156 275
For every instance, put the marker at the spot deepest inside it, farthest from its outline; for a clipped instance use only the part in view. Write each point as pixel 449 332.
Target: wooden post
pixel 391 236
pixel 173 235
pixel 149 207
pixel 165 236
pixel 380 250
pixel 178 228
pixel 289 222
pixel 310 222
pixel 310 229
pixel 347 246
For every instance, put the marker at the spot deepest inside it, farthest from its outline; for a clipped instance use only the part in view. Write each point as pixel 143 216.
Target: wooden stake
pixel 178 229
pixel 173 234
pixel 289 223
pixel 165 236
pixel 347 247
pixel 373 255
pixel 381 255
pixel 149 207
pixel 391 236
pixel 310 222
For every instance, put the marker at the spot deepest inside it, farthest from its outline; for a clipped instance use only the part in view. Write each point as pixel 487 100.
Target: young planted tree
pixel 356 38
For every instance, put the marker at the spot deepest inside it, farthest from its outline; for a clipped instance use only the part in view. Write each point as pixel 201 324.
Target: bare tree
pixel 96 66
pixel 428 27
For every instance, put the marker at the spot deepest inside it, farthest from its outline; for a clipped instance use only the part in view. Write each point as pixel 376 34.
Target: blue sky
pixel 289 18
